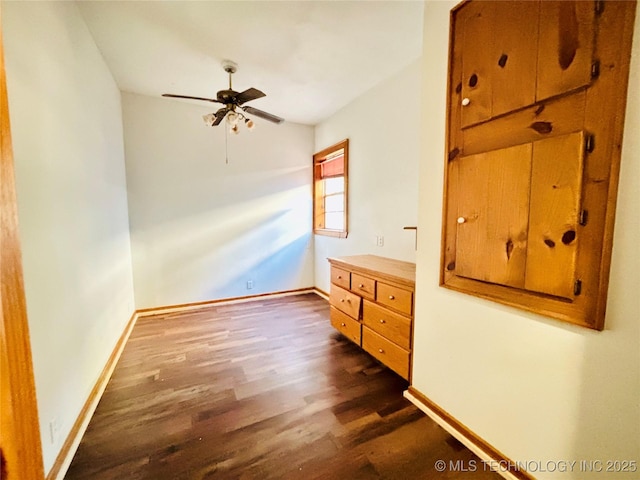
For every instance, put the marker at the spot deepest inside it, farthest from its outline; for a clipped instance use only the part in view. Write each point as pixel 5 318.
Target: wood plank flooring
pixel 263 390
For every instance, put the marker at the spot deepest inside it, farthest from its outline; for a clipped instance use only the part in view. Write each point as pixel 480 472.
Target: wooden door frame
pixel 20 443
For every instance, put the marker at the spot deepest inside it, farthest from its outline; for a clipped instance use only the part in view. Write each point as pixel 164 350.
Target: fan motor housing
pixel 227 96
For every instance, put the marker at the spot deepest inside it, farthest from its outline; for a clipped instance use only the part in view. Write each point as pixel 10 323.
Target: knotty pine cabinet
pixel 371 303
pixel 516 53
pixel 537 94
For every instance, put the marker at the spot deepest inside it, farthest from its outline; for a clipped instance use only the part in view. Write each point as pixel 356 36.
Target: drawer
pixel 346 325
pixel 390 325
pixel 340 277
pixel 363 286
pixel 394 357
pixel 394 297
pixel 345 301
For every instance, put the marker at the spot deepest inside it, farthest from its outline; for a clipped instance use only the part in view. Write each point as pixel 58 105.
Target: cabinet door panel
pixel 493 210
pixel 556 185
pixel 476 58
pixel 565 47
pixel 514 55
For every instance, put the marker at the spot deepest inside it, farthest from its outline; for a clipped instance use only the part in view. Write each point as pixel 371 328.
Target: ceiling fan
pixel 234 104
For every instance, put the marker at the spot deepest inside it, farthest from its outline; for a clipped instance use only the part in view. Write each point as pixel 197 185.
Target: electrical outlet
pixel 249 284
pixel 54 430
pixel 380 240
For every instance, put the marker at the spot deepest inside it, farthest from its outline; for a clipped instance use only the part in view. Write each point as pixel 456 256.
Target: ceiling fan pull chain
pixel 226 146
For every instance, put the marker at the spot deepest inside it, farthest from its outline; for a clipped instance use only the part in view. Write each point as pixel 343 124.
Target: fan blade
pixel 248 95
pixel 261 114
pixel 220 114
pixel 170 95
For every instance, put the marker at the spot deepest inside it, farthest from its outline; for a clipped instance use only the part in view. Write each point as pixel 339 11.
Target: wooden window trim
pixel 318 191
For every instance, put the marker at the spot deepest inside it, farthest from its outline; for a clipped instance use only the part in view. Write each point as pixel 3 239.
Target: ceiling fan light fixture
pixel 249 124
pixel 209 119
pixel 233 118
pixel 234 129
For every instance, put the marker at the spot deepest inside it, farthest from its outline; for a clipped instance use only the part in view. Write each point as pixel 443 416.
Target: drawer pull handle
pixel 382 320
pixel 391 297
pixel 380 350
pixel 465 102
pixel 343 324
pixel 360 286
pixel 339 277
pixel 342 300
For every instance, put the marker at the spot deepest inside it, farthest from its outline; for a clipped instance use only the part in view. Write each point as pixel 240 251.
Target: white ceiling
pixel 311 58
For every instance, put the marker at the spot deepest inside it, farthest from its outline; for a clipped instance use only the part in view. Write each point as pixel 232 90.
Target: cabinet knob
pixel 461 220
pixel 380 350
pixel 465 102
pixel 382 320
pixel 342 300
pixel 360 286
pixel 343 324
pixel 391 297
pixel 339 277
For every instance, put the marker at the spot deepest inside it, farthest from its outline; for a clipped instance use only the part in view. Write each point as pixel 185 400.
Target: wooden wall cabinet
pixel 372 305
pixel 537 93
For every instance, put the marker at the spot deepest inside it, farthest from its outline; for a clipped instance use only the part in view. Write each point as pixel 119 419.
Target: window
pixel 330 180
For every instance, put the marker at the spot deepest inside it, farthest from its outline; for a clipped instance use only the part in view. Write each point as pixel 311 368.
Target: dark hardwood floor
pixel 263 390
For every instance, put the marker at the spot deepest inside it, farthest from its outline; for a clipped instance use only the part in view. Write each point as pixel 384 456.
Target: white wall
pixel 72 201
pixel 534 388
pixel 202 228
pixel 383 128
